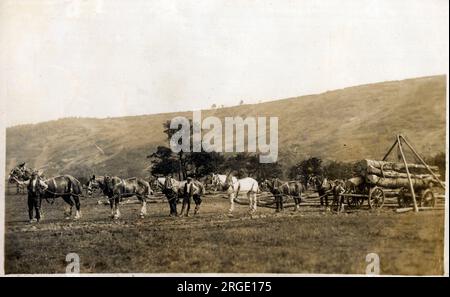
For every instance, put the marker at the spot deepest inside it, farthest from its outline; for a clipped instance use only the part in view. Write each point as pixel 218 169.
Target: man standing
pixel 171 195
pixel 36 188
pixel 187 193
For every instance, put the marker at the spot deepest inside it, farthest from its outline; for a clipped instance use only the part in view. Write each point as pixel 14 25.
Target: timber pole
pixel 423 162
pixel 411 188
pixel 390 150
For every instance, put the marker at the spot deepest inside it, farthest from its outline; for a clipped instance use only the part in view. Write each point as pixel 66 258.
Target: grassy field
pixel 309 241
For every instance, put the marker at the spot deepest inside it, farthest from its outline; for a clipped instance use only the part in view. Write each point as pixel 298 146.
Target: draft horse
pixel 247 185
pixel 116 188
pixel 65 186
pixel 280 188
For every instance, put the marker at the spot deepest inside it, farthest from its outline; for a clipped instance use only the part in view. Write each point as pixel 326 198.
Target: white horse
pixel 247 185
pixel 218 181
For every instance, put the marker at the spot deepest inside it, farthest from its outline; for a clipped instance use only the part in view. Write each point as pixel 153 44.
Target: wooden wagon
pixel 411 183
pixel 375 185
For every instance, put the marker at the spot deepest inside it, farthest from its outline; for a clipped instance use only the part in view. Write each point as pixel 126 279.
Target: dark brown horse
pixel 324 187
pixel 280 188
pixel 116 188
pixel 65 186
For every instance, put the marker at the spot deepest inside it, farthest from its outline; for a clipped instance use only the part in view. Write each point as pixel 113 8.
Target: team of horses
pixel 115 189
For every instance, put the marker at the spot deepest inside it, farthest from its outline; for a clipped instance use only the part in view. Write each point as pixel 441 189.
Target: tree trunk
pixel 364 167
pixel 394 183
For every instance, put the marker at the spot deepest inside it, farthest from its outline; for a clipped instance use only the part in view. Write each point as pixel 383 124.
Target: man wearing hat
pixel 36 188
pixel 187 194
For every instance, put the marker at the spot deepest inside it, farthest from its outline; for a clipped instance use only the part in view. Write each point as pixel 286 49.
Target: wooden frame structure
pixel 399 144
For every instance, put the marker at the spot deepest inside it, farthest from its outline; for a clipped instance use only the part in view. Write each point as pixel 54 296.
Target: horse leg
pixel 250 202
pixel 77 206
pixel 116 203
pixel 68 211
pixel 341 203
pixel 231 197
pixel 255 202
pixel 326 201
pixel 144 206
pixel 111 204
pixel 299 200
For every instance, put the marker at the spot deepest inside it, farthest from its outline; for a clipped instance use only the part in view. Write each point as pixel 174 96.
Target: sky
pixel 109 58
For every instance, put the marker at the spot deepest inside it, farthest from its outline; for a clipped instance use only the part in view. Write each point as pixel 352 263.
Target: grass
pixel 311 241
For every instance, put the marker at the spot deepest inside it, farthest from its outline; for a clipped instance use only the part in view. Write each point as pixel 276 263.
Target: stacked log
pixel 393 175
pixel 393 183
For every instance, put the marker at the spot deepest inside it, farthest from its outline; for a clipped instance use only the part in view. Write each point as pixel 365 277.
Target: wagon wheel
pixel 376 198
pixel 354 202
pixel 427 198
pixel 402 199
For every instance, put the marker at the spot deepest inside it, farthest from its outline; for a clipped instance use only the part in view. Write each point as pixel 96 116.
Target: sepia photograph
pixel 224 138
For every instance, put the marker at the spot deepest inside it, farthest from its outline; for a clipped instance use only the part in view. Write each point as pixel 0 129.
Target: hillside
pixel 348 124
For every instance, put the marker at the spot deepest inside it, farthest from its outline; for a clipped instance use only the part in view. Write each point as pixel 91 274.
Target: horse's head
pixel 20 173
pixel 275 184
pixel 319 182
pixel 108 183
pixel 215 180
pixel 228 182
pixel 264 185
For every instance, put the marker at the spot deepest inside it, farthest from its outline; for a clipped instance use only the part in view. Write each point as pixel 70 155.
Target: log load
pixel 394 183
pixel 368 167
pixel 395 174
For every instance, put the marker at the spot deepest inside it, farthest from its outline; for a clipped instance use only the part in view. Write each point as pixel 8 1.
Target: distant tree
pixel 182 168
pixel 306 168
pixel 338 170
pixel 214 106
pixel 241 102
pixel 438 160
pixel 248 165
pixel 204 163
pixel 164 161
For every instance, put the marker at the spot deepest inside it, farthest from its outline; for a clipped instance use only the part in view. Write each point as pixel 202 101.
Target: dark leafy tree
pixel 164 161
pixel 306 168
